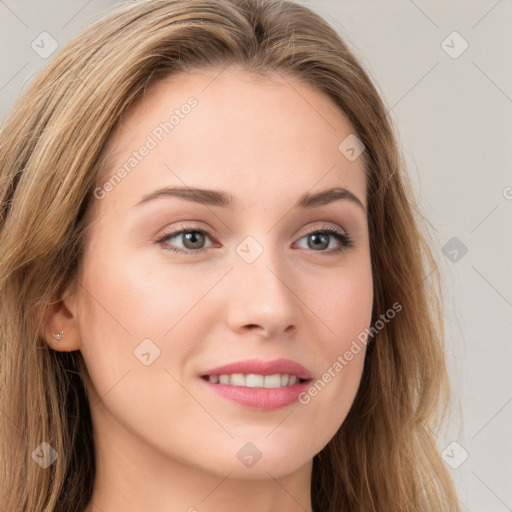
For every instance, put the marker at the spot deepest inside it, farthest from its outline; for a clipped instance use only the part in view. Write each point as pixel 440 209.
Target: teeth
pixel 237 379
pixel 252 380
pixel 272 381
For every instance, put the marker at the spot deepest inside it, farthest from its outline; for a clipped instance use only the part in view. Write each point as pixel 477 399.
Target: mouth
pixel 258 384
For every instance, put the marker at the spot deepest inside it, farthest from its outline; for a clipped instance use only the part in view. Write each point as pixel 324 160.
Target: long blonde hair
pixel 384 456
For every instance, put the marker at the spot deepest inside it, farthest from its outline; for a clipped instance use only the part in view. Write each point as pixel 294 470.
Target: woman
pixel 216 293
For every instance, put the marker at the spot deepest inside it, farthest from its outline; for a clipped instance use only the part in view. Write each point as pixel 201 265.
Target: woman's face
pixel 255 278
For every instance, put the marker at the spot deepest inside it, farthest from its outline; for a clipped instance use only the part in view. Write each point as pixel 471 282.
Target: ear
pixel 59 316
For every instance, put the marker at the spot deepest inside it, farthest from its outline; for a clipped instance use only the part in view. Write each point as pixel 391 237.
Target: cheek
pixel 345 308
pixel 133 312
pixel 135 337
pixel 344 304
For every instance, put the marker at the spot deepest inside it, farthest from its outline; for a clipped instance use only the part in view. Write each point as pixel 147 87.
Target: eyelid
pixel 322 227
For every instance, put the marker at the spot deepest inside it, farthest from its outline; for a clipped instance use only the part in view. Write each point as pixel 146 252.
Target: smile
pixel 252 380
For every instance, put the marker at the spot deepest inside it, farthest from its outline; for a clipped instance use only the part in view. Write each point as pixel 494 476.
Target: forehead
pixel 232 130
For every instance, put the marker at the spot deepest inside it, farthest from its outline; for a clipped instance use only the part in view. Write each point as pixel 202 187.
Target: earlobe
pixel 58 326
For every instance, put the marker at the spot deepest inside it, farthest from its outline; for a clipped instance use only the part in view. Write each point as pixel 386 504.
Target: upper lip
pixel 261 367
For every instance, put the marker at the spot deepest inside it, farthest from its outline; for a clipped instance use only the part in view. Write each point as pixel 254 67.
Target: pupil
pixel 317 236
pixel 192 237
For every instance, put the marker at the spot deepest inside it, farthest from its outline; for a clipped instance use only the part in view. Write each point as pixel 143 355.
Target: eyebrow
pixel 225 200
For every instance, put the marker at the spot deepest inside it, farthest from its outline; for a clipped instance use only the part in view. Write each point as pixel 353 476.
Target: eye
pixel 321 238
pixel 195 236
pixel 193 240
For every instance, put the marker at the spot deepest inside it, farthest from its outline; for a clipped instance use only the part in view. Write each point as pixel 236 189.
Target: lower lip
pixel 264 399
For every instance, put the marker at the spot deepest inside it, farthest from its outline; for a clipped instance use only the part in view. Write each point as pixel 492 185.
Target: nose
pixel 263 298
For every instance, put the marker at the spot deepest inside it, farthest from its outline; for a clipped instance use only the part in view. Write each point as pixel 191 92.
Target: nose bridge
pixel 263 293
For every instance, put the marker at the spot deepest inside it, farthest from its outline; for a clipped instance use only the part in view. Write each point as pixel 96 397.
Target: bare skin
pixel 164 441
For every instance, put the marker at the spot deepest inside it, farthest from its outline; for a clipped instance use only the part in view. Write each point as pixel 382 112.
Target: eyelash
pixel 344 239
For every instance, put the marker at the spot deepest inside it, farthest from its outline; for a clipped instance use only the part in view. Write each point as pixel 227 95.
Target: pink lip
pixel 260 398
pixel 260 367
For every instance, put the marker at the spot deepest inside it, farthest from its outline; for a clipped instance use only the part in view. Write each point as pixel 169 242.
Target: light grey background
pixel 453 117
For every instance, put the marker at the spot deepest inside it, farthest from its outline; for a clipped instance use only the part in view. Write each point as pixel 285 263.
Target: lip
pixel 263 399
pixel 261 367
